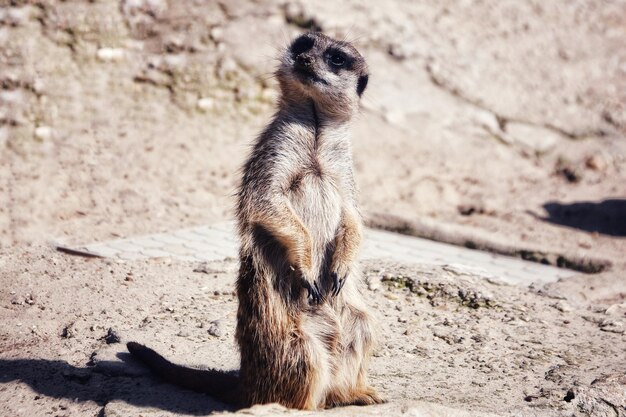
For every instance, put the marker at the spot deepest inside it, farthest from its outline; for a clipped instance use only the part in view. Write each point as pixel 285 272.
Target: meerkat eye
pixel 337 59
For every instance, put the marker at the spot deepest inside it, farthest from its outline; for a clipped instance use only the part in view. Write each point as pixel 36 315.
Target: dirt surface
pixel 448 338
pixel 493 124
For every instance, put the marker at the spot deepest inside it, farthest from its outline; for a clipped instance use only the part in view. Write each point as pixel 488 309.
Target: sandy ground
pixel 492 124
pixel 448 338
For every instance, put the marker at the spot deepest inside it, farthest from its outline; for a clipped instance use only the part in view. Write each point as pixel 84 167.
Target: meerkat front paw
pixel 314 293
pixel 340 270
pixel 337 283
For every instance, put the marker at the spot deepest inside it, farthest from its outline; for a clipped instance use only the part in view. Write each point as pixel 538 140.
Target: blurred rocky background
pixel 483 123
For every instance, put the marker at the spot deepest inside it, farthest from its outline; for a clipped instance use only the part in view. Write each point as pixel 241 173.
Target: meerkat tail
pixel 222 385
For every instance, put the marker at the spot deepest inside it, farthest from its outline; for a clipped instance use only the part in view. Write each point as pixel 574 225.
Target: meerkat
pixel 304 332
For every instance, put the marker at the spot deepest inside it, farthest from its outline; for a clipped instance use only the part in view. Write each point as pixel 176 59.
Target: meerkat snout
pixel 304 62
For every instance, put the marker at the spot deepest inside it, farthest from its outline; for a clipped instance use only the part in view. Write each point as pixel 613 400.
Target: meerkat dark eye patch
pixel 337 59
pixel 301 45
pixel 361 84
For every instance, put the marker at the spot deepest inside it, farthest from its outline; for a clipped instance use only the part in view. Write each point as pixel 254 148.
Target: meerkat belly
pixel 317 201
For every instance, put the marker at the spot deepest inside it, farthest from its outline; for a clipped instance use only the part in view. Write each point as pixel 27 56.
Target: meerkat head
pixel 330 72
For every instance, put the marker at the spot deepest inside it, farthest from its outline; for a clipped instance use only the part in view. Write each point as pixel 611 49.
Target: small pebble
pixel 562 306
pixel 215 329
pixel 43 132
pixel 111 337
pixel 616 310
pixel 596 162
pixel 68 331
pixel 205 104
pixel 217 34
pixel 110 54
pixel 29 299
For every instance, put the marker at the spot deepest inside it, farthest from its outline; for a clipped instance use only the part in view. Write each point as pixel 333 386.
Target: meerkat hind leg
pixel 351 377
pixel 319 339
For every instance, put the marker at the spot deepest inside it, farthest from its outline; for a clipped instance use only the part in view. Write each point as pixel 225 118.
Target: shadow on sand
pixel 58 379
pixel 607 217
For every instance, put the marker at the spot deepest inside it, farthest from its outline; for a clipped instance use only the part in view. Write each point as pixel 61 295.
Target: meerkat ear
pixel 361 84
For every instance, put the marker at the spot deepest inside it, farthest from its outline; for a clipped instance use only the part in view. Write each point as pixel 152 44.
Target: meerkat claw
pixel 333 275
pixel 335 288
pixel 318 293
pixel 340 286
pixel 314 294
pixel 337 284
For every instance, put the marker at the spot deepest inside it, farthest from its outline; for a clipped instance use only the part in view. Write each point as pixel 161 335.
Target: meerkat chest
pixel 330 159
pixel 317 188
pixel 318 202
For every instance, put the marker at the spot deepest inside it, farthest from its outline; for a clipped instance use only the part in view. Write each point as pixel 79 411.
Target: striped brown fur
pixel 304 332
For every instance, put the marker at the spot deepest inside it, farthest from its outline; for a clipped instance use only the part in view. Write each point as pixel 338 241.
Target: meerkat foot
pixel 367 396
pixel 363 396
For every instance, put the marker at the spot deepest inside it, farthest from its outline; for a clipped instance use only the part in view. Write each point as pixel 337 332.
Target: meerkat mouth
pixel 308 77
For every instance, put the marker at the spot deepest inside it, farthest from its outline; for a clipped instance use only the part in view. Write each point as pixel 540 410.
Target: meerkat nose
pixel 304 61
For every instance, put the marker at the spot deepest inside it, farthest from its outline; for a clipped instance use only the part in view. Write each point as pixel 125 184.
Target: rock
pixel 488 121
pixel 605 396
pixel 227 69
pixel 111 337
pixel 110 54
pixel 215 329
pixel 373 282
pixel 15 16
pixel 147 7
pixel 402 50
pixel 217 34
pixel 205 104
pixel 562 306
pixel 448 337
pixel 596 162
pixel 537 138
pixel 612 326
pixel 296 14
pixel 568 170
pixel 43 133
pixel 210 268
pixel 616 310
pixel 68 331
pixel 468 209
pixel 29 299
